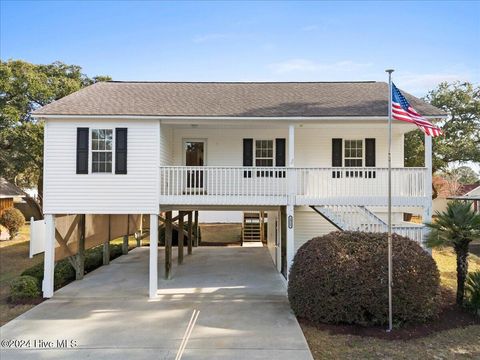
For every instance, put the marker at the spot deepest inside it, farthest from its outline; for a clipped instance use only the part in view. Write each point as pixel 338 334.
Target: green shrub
pixel 36 271
pixel 12 219
pixel 115 251
pixel 472 292
pixel 63 274
pixel 93 258
pixel 342 277
pixel 24 288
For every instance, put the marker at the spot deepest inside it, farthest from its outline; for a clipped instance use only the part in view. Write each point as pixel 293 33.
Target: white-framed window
pixel 264 153
pixel 102 150
pixel 353 153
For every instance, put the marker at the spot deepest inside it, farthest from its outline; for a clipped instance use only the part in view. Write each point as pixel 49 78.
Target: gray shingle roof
pixel 9 190
pixel 232 99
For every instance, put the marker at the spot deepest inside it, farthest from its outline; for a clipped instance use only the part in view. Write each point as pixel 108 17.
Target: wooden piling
pixel 125 238
pixel 140 232
pixel 80 268
pixel 180 238
pixel 106 245
pixel 197 229
pixel 168 244
pixel 190 232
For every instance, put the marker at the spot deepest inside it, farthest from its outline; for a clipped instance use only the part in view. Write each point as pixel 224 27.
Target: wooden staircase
pixel 252 227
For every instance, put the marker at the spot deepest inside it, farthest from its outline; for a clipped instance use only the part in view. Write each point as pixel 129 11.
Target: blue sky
pixel 426 42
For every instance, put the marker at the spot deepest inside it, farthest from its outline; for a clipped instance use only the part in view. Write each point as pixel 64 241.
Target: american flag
pixel 403 111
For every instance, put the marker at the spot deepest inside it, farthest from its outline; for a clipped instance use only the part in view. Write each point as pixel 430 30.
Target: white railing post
pixel 292 179
pixel 49 257
pixel 153 268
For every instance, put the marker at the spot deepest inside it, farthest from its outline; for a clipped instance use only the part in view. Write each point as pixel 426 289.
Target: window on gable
pixel 102 145
pixel 264 155
pixel 353 150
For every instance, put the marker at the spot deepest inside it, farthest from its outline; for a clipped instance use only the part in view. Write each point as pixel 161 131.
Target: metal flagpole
pixel 390 314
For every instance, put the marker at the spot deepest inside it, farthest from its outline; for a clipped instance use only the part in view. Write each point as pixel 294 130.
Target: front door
pixel 194 156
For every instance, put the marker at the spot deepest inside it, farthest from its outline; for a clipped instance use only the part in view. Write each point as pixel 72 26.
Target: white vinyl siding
pixel 224 146
pixel 313 146
pixel 309 224
pixel 166 145
pixel 66 192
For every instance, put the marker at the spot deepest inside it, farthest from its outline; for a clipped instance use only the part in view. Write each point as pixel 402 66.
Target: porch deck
pixel 221 185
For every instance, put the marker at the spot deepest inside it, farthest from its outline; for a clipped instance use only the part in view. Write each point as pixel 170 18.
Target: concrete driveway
pixel 222 303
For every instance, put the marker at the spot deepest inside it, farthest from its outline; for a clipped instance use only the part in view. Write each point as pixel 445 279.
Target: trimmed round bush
pixel 342 278
pixel 24 288
pixel 12 219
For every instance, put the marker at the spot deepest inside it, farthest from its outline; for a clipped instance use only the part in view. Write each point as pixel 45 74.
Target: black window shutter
pixel 280 152
pixel 247 156
pixel 370 152
pixel 247 152
pixel 120 150
pixel 280 156
pixel 82 150
pixel 336 152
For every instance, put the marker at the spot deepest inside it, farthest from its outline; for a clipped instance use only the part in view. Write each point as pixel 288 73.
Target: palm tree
pixel 457 227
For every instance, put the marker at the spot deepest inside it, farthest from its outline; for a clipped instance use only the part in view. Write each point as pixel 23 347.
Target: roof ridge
pixel 241 82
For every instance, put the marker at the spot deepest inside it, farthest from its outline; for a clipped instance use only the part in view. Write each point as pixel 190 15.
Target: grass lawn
pixel 222 234
pixel 461 343
pixel 13 261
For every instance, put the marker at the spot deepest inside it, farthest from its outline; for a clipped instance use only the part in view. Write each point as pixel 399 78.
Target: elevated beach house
pixel 311 155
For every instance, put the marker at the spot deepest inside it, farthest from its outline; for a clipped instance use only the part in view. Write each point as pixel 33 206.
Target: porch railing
pixel 359 186
pixel 227 185
pixel 222 185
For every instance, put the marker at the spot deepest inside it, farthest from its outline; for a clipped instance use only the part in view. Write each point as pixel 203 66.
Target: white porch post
pixel 49 259
pixel 427 209
pixel 292 182
pixel 291 146
pixel 153 272
pixel 290 237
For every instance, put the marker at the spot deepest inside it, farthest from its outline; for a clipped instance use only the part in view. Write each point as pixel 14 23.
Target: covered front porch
pixel 222 185
pixel 269 162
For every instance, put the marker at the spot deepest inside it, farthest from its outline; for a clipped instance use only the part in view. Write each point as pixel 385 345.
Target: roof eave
pixel 217 117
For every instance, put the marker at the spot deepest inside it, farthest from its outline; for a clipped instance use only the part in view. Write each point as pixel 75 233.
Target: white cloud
pixel 420 84
pixel 305 65
pixel 210 37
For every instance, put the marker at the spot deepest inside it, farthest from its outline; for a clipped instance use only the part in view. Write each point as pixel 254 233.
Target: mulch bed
pixel 451 316
pixel 34 301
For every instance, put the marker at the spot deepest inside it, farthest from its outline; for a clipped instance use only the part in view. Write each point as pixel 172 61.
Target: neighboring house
pixel 443 188
pixel 470 192
pixel 450 190
pixel 9 195
pixel 312 155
